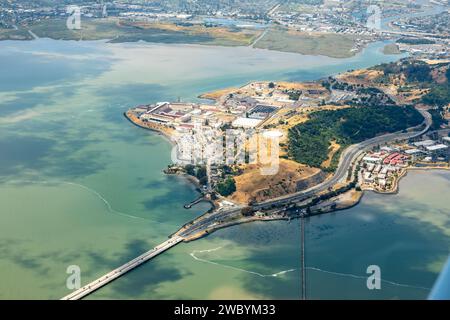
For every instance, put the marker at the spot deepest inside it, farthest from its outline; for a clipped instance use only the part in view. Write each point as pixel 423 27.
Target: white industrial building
pixel 370 159
pixel 438 147
pixel 246 123
pixel 424 143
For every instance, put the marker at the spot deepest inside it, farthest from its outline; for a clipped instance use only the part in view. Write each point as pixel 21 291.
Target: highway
pixel 116 273
pixel 347 158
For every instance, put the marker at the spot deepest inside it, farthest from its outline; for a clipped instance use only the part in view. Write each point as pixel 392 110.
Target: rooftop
pixel 424 143
pixel 437 147
pixel 246 122
pixel 412 151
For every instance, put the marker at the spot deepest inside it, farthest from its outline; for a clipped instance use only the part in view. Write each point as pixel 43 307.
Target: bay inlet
pixel 81 186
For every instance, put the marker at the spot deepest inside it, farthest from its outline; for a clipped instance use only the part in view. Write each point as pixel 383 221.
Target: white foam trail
pixel 274 275
pixel 193 255
pixel 102 198
pixel 365 278
pixel 108 205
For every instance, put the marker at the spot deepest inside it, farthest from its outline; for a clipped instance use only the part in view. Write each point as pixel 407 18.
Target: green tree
pixel 201 173
pixel 190 169
pixel 226 187
pixel 247 212
pixel 439 95
pixel 309 142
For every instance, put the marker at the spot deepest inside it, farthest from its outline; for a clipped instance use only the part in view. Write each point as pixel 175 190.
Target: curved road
pixel 347 157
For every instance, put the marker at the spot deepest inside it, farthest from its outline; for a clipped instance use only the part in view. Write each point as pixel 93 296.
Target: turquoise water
pixel 80 185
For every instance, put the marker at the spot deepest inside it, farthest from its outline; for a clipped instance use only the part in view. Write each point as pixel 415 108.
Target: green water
pixel 79 185
pixel 407 236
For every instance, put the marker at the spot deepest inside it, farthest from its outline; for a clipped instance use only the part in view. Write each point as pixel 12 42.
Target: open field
pixel 12 34
pixel 251 185
pixel 332 45
pixel 121 30
pixel 117 30
pixel 363 76
pixel 261 88
pixel 391 48
pixel 218 35
pixel 215 95
pixel 332 151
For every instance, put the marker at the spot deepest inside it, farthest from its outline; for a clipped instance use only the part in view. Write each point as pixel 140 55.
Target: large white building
pixel 424 143
pixel 438 147
pixel 246 123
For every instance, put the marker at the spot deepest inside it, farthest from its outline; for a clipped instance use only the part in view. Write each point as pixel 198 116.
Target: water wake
pixel 194 256
pixel 274 275
pixel 365 278
pixel 94 192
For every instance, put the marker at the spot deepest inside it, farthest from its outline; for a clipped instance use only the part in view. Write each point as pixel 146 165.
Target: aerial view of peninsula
pixel 208 152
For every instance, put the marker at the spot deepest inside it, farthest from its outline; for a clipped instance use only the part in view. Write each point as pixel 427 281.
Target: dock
pixel 193 203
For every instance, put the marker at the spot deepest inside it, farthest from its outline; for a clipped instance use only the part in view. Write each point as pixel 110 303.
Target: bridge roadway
pixel 116 273
pixel 210 220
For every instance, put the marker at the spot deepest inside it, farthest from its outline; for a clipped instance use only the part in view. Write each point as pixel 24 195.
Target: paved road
pixel 347 157
pixel 35 37
pixel 269 13
pixel 116 273
pixel 253 44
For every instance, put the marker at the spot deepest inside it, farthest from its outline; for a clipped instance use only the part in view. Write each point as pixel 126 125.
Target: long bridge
pixel 120 271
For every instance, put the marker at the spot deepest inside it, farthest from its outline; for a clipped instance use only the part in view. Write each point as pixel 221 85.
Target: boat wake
pixel 92 191
pixel 273 275
pixel 349 275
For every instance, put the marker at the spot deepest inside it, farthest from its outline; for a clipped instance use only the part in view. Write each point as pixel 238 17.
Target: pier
pixel 193 203
pixel 303 263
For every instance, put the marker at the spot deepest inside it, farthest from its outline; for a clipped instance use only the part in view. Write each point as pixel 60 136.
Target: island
pixel 335 138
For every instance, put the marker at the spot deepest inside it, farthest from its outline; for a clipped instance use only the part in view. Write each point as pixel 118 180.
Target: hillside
pixel 310 142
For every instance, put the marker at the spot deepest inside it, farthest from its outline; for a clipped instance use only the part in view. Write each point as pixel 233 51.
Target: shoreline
pixel 194 181
pixel 315 212
pixel 396 189
pixel 161 133
pixel 343 208
pixel 113 41
pixel 224 46
pixel 341 199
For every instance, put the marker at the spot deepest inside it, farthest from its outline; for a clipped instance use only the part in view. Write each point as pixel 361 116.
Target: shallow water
pixel 80 185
